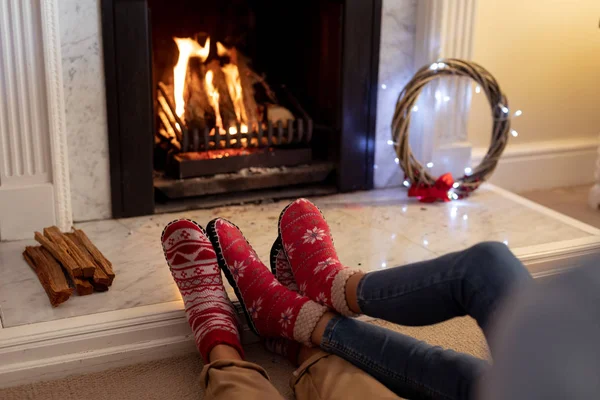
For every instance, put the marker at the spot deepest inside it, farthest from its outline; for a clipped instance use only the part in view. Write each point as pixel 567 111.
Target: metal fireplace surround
pixel 130 108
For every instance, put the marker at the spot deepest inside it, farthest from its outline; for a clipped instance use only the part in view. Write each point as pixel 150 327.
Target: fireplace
pixel 213 101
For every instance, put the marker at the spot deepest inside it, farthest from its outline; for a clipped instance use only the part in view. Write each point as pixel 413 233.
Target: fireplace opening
pixel 226 77
pixel 225 101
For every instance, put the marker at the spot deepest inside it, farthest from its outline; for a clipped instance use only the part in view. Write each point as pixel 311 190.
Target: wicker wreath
pixel 417 175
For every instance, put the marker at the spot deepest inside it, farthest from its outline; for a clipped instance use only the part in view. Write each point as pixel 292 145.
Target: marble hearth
pixel 372 230
pixel 141 316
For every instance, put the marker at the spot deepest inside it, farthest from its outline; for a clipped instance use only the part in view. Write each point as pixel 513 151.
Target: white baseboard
pixel 544 165
pixel 82 345
pixel 50 350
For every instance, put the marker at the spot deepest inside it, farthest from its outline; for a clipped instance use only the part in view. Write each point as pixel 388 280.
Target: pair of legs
pixel 471 282
pixel 193 262
pixel 474 282
pixel 320 376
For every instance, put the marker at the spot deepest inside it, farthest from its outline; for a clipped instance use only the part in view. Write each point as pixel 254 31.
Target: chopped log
pixel 163 139
pixel 198 111
pixel 169 107
pixel 171 132
pixel 58 238
pixel 83 287
pixel 73 270
pixel 226 109
pixel 247 81
pixel 99 287
pixel 49 273
pixel 96 254
pixel 168 118
pixel 100 280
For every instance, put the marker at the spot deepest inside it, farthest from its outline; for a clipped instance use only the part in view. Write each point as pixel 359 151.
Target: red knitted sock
pixel 272 309
pixel 307 242
pixel 193 264
pixel 284 347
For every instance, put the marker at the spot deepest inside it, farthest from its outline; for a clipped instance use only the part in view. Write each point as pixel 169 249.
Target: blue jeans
pixel 470 282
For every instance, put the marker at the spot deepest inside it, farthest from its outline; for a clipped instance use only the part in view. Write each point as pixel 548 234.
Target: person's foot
pixel 308 246
pixel 193 264
pixel 272 310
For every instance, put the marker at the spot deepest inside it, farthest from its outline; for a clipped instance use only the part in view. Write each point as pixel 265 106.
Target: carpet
pixel 571 201
pixel 177 378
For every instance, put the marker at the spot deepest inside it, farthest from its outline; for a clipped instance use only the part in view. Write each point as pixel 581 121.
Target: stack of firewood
pixel 68 261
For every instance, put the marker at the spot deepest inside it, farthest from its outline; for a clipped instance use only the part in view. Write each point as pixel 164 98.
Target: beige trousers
pixel 322 377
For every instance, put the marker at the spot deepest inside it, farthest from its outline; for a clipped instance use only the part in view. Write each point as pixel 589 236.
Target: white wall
pixel 545 55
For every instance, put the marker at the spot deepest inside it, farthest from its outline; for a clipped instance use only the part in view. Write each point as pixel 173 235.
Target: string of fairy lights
pixel 417 174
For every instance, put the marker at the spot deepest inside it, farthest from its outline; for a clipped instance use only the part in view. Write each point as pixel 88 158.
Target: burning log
pixel 278 113
pixel 247 81
pixel 225 104
pixel 170 120
pixel 170 130
pixel 169 141
pixel 198 111
pixel 49 273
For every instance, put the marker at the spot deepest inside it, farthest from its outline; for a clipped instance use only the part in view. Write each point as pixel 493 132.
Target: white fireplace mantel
pixel 34 172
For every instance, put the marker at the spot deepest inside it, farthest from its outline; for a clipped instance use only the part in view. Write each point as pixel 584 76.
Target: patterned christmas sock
pixel 193 264
pixel 307 243
pixel 272 310
pixel 280 267
pixel 284 347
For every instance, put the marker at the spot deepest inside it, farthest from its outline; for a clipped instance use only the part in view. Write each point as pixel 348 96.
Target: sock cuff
pixel 217 337
pixel 307 319
pixel 338 292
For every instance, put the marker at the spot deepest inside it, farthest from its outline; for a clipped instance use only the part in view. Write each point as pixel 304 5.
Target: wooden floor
pixel 571 201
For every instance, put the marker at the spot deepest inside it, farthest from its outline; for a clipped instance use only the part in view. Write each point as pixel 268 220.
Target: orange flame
pixel 222 50
pixel 234 86
pixel 213 97
pixel 187 48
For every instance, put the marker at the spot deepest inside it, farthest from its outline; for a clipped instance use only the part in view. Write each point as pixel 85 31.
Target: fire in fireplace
pixel 216 101
pixel 215 114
